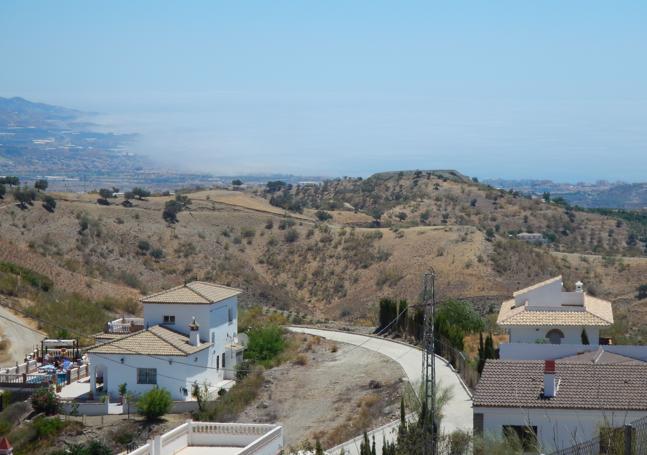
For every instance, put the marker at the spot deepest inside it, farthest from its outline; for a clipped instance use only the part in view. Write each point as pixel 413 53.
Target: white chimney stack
pixel 579 287
pixel 550 380
pixel 194 333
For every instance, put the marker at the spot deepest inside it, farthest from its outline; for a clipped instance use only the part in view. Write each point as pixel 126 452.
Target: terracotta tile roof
pixel 520 384
pixel 196 292
pixel 596 312
pixel 600 356
pixel 156 340
pixel 5 444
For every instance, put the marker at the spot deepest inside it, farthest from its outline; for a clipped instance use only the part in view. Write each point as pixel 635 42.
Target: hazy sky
pixel 543 89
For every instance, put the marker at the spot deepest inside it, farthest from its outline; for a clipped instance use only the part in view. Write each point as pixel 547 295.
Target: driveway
pixel 457 413
pixel 22 340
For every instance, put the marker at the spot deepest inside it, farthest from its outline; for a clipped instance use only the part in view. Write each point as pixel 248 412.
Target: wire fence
pixel 465 369
pixel 631 439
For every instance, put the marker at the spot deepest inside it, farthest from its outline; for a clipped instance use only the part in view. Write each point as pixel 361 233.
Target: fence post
pixel 628 440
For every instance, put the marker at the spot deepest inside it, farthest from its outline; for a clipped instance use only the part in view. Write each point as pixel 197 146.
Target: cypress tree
pixel 585 337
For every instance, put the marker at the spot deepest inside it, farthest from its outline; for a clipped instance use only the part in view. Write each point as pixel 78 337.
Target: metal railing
pixel 468 373
pixel 628 440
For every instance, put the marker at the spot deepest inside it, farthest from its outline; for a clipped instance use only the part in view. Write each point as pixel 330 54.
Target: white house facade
pixel 545 313
pixel 553 405
pixel 189 337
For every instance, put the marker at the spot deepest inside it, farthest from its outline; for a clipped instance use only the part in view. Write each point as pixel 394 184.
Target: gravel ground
pixel 325 397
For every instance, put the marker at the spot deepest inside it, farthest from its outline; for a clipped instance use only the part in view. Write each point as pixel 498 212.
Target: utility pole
pixel 428 413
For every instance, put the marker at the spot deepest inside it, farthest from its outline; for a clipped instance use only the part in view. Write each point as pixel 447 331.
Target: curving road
pixel 457 413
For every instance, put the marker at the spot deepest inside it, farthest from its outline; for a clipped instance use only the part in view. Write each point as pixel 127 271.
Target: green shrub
pixel 154 403
pixel 46 427
pixel 33 278
pixel 265 343
pixel 45 400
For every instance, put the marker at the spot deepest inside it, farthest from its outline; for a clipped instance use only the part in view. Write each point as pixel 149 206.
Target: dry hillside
pixel 329 270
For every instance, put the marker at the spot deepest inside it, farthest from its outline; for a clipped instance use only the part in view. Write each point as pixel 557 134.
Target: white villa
pixel 189 337
pixel 558 404
pixel 545 313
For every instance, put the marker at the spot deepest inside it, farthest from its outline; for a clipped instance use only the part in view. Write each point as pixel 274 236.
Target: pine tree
pixel 318 449
pixel 481 353
pixel 373 450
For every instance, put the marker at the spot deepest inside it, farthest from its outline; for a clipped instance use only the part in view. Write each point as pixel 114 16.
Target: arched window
pixel 555 336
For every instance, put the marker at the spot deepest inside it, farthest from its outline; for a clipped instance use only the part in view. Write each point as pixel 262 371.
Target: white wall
pixel 213 320
pixel 556 428
pixel 171 376
pixel 572 335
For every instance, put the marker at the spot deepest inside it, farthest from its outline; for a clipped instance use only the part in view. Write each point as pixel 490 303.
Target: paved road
pixel 457 413
pixel 22 339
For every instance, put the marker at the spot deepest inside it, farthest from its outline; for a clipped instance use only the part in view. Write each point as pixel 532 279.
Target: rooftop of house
pixel 601 356
pixel 196 292
pixel 581 384
pixel 547 304
pixel 156 340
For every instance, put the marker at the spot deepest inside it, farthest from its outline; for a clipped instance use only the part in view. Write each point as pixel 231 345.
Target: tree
pixel 274 186
pixel 41 185
pixel 140 193
pixel 45 400
pixel 318 449
pixel 401 216
pixel 546 196
pixel 24 196
pixel 171 209
pixel 123 390
pixel 3 190
pixel 322 215
pixel 585 337
pixel 642 291
pixel 143 246
pixel 105 193
pixel 236 183
pixel 291 235
pixel 154 404
pixel 10 180
pixel 49 203
pixel 265 343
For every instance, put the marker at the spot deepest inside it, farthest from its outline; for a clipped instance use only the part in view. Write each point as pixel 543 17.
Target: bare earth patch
pixel 328 395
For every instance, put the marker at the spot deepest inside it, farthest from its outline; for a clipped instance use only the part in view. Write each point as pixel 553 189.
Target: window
pixel 169 319
pixel 230 316
pixel 146 375
pixel 223 360
pixel 555 336
pixel 525 434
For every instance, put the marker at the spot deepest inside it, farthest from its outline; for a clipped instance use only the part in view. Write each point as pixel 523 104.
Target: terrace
pixel 197 438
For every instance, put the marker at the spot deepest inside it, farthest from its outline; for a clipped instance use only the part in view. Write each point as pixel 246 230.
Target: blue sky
pixel 517 89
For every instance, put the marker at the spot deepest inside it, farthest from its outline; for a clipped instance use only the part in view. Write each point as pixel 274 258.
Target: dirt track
pixel 323 398
pixel 22 340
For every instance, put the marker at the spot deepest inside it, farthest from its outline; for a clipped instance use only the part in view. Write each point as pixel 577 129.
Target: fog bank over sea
pixel 356 134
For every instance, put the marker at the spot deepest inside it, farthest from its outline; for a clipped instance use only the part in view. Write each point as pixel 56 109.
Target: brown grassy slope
pixel 440 198
pixel 329 270
pixel 72 282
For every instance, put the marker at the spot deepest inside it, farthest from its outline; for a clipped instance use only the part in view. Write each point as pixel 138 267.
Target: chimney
pixel 550 381
pixel 194 333
pixel 579 287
